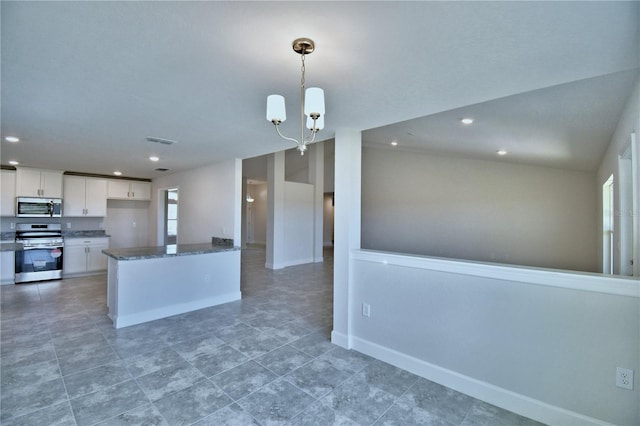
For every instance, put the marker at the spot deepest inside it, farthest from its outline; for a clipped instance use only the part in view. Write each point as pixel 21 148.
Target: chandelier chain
pixel 302 69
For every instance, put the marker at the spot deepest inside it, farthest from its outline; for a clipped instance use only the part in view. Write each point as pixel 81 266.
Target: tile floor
pixel 265 360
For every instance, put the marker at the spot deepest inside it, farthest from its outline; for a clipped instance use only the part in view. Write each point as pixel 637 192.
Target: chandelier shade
pixel 314 101
pixel 275 108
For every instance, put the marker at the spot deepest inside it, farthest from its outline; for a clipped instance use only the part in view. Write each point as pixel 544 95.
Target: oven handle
pixel 42 247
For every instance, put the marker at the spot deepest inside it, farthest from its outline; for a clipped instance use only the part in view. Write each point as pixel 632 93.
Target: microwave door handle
pixel 51 208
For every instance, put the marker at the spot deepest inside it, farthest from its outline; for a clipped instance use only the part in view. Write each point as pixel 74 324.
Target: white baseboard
pixel 120 321
pixel 340 339
pixel 506 399
pixel 288 263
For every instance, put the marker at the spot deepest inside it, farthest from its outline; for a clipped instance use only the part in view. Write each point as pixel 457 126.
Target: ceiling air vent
pixel 160 140
pixel 161 169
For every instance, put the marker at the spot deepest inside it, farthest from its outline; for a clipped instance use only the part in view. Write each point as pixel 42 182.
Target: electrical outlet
pixel 624 378
pixel 366 310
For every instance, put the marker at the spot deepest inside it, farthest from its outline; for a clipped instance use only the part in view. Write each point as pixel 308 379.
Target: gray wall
pixel 208 203
pixel 514 337
pixel 128 223
pixel 479 210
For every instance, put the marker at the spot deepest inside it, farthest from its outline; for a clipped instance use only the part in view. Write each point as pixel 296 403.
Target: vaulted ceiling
pixel 85 83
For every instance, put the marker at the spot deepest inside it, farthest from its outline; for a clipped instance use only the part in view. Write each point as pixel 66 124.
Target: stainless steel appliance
pixel 38 207
pixel 42 253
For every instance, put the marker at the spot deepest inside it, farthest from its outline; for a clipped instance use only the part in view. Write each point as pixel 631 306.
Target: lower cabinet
pixel 84 255
pixel 7 267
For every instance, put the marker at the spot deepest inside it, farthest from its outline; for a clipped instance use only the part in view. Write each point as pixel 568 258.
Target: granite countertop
pixel 171 250
pixel 85 234
pixel 10 247
pixel 8 236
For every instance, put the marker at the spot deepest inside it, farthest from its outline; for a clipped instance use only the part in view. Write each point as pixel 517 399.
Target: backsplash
pixel 68 223
pixel 218 241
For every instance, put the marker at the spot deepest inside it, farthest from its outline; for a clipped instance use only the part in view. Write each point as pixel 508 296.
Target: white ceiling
pixel 84 83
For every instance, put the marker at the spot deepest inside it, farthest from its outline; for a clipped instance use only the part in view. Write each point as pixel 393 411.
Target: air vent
pixel 161 169
pixel 160 140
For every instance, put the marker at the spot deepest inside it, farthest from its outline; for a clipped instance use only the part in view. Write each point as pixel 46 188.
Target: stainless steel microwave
pixel 38 207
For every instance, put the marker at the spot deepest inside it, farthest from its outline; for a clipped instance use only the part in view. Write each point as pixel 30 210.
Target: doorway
pixel 608 220
pixel 171 216
pixel 628 209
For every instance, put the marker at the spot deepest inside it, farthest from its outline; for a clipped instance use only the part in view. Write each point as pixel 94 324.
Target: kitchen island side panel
pixel 149 289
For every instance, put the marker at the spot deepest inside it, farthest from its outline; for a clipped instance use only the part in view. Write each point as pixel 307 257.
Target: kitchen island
pixel 149 283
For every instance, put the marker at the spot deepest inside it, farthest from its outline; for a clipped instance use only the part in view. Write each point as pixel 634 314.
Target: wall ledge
pixel 574 280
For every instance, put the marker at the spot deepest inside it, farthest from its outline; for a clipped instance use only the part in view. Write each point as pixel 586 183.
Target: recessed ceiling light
pixel 501 152
pixel 117 173
pixel 12 139
pixel 466 121
pixel 154 158
pixel 394 143
pixel 13 162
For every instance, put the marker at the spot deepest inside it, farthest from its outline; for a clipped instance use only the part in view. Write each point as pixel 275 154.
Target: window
pixel 171 216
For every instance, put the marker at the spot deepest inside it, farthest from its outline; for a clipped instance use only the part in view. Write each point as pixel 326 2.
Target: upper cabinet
pixel 38 183
pixel 8 193
pixel 84 196
pixel 128 190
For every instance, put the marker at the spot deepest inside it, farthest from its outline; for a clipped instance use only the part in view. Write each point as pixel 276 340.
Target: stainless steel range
pixel 42 254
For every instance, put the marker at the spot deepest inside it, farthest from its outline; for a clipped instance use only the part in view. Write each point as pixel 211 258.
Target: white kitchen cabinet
pixel 84 197
pixel 128 190
pixel 7 267
pixel 8 193
pixel 38 183
pixel 84 255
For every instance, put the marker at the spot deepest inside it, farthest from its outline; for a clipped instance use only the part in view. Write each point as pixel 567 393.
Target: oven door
pixel 38 263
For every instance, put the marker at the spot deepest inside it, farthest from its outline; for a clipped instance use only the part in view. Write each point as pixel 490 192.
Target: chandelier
pixel 311 104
